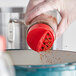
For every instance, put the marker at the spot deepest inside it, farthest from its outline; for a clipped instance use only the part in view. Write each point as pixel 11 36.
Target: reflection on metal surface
pixel 15 33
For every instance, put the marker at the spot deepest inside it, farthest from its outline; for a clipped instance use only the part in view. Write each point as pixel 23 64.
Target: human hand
pixel 66 8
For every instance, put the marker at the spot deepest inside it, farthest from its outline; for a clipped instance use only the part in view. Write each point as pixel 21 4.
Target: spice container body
pixel 42 32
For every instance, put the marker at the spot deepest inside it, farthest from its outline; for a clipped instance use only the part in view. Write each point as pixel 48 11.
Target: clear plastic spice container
pixel 42 32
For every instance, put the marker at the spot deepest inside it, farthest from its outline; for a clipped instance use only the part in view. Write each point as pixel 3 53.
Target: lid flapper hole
pixel 49 38
pixel 42 47
pixel 49 42
pixel 45 38
pixel 44 43
pixel 47 34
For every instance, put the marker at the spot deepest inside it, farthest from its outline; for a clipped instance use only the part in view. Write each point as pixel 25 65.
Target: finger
pixel 41 8
pixel 32 4
pixel 63 25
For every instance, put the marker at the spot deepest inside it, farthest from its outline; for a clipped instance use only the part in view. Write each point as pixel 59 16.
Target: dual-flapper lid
pixel 40 37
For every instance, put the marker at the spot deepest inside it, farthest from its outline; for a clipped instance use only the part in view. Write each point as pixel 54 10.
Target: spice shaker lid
pixel 2 44
pixel 40 37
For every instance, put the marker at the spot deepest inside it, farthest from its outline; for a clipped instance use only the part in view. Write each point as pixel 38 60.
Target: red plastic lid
pixel 40 37
pixel 2 43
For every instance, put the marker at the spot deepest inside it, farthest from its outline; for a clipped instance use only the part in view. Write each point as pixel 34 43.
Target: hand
pixel 66 8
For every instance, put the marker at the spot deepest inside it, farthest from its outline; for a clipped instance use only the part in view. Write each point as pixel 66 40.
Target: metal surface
pixel 28 63
pixel 15 33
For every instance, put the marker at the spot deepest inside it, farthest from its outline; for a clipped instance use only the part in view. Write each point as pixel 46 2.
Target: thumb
pixel 39 9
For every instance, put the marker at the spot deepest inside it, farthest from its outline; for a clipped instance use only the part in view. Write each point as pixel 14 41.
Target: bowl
pixel 51 63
